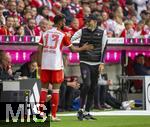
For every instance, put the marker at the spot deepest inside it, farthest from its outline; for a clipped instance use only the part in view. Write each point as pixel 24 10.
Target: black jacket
pixel 25 71
pixel 4 75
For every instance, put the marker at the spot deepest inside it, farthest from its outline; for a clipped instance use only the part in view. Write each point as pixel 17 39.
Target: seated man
pixel 28 70
pixel 100 92
pixel 67 89
pixel 107 97
pixel 5 66
pixel 139 67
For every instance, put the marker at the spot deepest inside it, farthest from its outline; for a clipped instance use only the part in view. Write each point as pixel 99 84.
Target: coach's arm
pixel 85 47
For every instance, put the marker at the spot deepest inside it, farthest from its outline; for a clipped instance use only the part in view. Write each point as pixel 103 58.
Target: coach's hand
pixel 87 46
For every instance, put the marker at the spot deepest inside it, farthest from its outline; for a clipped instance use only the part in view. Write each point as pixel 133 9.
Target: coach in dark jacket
pixel 89 62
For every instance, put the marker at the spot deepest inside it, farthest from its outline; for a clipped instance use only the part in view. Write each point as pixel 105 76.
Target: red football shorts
pixel 52 76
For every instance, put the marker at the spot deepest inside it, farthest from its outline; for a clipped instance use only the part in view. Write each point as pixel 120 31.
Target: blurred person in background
pixel 12 9
pixel 106 6
pixel 85 3
pixel 93 5
pixel 29 69
pixel 147 29
pixel 67 89
pixel 19 30
pixel 108 24
pixel 101 89
pixel 26 16
pixel 8 28
pixel 104 99
pixel 43 13
pixel 139 30
pixel 31 29
pixel 16 22
pixel 129 9
pixel 118 18
pixel 128 32
pixel 6 72
pixel 139 66
pixel 56 10
pixel 145 15
pixel 2 18
pixel 75 8
pixel 34 12
pixel 66 12
pixel 20 7
pixel 86 11
pixel 140 5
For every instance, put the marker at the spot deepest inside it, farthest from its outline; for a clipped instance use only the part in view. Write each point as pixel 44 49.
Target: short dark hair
pixel 28 20
pixel 92 17
pixel 144 12
pixel 58 18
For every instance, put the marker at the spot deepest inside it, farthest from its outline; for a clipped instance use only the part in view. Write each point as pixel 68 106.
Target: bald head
pixel 45 25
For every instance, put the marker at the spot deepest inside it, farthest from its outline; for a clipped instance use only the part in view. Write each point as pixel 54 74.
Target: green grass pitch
pixel 104 121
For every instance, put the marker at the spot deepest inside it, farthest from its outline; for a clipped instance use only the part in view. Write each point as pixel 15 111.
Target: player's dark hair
pixel 58 18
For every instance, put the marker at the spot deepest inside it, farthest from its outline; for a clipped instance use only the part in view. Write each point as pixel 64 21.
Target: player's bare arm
pixel 40 48
pixel 85 47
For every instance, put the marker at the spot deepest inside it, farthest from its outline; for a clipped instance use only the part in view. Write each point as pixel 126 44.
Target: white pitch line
pixel 114 113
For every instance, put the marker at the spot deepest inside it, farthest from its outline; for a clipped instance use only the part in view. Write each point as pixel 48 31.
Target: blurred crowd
pixel 121 18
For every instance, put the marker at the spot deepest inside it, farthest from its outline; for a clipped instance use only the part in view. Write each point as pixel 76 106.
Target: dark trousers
pixel 1 87
pixel 110 100
pixel 100 95
pixel 66 96
pixel 89 75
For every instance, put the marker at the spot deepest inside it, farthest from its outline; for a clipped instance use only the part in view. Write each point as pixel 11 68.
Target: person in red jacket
pixel 8 28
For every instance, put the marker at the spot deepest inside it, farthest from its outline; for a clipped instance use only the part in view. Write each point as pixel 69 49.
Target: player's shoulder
pixel 60 32
pixel 54 30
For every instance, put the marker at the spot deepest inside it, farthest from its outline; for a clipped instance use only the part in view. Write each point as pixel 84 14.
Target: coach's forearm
pixel 40 48
pixel 76 49
pixel 85 47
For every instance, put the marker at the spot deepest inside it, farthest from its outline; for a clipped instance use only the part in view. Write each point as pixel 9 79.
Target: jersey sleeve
pixel 66 41
pixel 41 41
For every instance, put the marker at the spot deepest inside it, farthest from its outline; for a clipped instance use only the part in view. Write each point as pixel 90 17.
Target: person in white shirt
pixel 103 96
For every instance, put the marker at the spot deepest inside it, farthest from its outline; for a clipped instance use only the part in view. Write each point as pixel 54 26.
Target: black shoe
pixel 38 116
pixel 89 116
pixel 80 115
